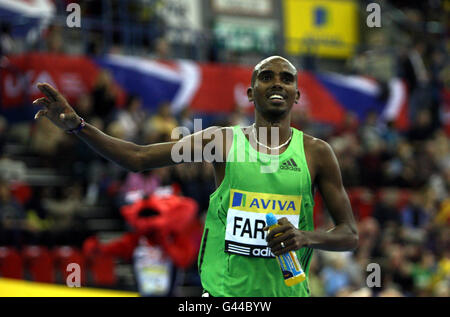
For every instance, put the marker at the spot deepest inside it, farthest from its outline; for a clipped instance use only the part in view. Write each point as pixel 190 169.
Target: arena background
pixel 376 87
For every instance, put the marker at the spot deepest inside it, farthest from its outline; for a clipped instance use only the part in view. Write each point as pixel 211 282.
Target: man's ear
pixel 250 94
pixel 297 96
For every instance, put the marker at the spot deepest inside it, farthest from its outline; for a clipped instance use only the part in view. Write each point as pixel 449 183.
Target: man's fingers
pixel 283 221
pixel 275 241
pixel 40 113
pixel 278 249
pixel 67 116
pixel 49 91
pixel 41 102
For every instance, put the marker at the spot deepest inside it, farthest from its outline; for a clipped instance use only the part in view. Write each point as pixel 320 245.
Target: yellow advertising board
pixel 21 288
pixel 327 28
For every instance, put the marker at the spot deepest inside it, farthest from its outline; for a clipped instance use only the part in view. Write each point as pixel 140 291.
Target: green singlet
pixel 234 259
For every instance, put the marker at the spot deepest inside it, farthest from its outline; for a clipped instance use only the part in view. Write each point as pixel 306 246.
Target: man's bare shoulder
pixel 315 145
pixel 321 155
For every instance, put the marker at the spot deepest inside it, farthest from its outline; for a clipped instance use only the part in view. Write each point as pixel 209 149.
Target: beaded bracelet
pixel 78 128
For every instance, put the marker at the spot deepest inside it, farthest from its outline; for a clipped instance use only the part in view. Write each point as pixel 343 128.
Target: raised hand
pixel 56 108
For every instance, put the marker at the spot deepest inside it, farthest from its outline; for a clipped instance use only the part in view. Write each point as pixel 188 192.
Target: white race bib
pixel 246 218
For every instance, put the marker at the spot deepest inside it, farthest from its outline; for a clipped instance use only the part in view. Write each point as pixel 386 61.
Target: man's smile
pixel 276 97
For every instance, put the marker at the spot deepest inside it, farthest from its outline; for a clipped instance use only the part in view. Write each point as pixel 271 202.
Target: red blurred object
pixel 39 262
pixel 22 192
pixel 362 201
pixel 172 213
pixel 102 269
pixel 99 263
pixel 172 225
pixel 11 263
pixel 318 214
pixel 65 255
pixel 404 195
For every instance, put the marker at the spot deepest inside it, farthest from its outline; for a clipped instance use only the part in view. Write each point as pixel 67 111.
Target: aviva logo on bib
pixel 246 219
pixel 265 203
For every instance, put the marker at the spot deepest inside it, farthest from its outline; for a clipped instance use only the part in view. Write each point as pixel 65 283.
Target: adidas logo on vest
pixel 290 165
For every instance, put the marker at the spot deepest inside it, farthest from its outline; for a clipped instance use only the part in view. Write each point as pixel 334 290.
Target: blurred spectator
pixel 379 61
pixel 335 276
pixel 414 72
pixel 3 132
pixel 390 136
pixel 239 117
pixel 385 211
pixel 398 269
pixel 84 107
pixel 348 152
pixel 160 125
pixel 130 118
pixel 54 40
pixel 369 231
pixel 46 138
pixel 63 212
pixel 301 119
pixel 399 170
pixel 349 125
pixel 422 273
pixel 186 119
pixel 422 129
pixel 370 133
pixel 138 185
pixel 11 169
pixel 161 49
pixel 315 282
pixel 443 214
pixel 414 215
pixel 7 43
pixel 12 217
pixel 103 96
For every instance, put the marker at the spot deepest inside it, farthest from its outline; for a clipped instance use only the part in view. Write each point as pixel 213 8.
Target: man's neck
pixel 282 130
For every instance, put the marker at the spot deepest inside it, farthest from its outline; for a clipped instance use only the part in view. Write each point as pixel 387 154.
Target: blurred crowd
pixel 398 180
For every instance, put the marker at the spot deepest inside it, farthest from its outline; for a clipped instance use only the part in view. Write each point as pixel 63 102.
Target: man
pixel 234 258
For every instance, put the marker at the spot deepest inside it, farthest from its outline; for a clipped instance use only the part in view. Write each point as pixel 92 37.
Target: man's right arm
pixel 129 155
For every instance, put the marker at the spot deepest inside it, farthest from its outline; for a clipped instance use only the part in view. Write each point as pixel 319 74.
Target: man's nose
pixel 277 82
pixel 277 86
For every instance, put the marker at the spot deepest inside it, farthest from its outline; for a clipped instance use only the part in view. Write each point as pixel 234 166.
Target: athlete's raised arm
pixel 129 155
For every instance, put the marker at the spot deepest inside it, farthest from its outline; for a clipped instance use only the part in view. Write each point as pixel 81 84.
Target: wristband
pixel 78 128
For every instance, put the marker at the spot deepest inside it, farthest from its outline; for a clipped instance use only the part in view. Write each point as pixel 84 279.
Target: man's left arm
pixel 344 235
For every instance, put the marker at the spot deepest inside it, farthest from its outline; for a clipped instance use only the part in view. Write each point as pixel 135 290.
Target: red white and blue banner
pixel 206 88
pixel 24 16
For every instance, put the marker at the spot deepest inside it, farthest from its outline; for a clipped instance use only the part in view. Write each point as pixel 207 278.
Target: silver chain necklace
pixel 268 147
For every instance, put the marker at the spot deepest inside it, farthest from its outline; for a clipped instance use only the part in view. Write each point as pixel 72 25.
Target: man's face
pixel 275 87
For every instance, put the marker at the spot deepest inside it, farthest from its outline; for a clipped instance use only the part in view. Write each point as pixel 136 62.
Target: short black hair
pixel 266 60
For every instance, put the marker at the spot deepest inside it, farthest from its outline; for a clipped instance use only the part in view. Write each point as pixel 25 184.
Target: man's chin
pixel 273 111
